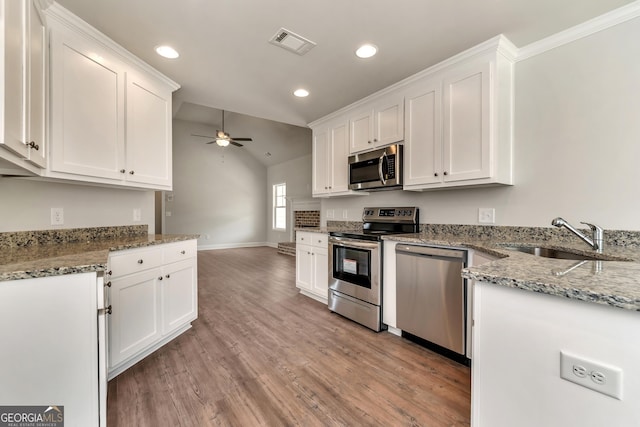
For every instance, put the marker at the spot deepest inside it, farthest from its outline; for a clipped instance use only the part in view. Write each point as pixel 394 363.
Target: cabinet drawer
pixel 319 240
pixel 174 252
pixel 314 239
pixel 135 260
pixel 304 238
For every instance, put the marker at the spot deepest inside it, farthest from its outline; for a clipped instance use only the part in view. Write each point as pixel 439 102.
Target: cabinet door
pixel 467 97
pixel 49 334
pixel 389 121
pixel 13 63
pixel 423 142
pixel 148 137
pixel 87 104
pixel 339 157
pixel 35 112
pixel 320 158
pixel 361 132
pixel 304 267
pixel 179 295
pixel 320 284
pixel 134 323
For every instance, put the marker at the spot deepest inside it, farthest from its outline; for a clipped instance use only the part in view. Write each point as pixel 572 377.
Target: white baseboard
pixel 234 246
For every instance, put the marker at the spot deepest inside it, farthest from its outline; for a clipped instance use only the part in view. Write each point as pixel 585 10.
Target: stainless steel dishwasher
pixel 431 296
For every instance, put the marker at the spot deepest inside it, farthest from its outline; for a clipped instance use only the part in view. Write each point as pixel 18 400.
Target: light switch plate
pixel 486 215
pixel 137 214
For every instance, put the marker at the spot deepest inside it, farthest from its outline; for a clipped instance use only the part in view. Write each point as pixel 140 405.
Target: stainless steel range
pixel 355 264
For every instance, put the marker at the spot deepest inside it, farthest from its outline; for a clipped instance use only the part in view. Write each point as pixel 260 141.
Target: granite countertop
pixel 614 280
pixel 29 257
pixel 318 229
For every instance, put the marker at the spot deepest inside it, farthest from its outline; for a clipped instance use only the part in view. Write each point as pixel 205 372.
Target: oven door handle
pixel 341 241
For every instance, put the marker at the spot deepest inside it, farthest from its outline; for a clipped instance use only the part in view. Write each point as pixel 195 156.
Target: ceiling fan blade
pixel 211 142
pixel 203 136
pixel 232 142
pixel 242 139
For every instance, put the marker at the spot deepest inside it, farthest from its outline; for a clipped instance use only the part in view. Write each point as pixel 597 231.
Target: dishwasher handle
pixel 431 251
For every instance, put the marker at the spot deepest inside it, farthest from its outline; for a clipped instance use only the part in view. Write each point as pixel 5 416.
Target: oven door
pixel 354 268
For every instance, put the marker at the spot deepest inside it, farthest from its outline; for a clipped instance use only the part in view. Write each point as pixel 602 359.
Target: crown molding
pixel 587 28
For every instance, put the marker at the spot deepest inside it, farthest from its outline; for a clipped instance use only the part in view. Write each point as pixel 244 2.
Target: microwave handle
pixel 382 159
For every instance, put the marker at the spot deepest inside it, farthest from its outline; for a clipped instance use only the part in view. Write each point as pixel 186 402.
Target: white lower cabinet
pixel 52 335
pixel 312 264
pixel 153 299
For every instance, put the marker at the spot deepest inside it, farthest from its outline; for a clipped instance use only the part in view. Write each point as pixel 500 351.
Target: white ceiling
pixel 227 62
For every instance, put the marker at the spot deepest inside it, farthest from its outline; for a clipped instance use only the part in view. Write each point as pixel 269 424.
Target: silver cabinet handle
pixel 182 252
pixel 33 145
pixel 106 310
pixel 122 171
pixel 168 276
pixel 108 284
pixel 160 278
pixel 131 172
pixel 140 261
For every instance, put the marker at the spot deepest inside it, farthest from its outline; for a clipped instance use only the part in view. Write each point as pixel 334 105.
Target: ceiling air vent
pixel 291 41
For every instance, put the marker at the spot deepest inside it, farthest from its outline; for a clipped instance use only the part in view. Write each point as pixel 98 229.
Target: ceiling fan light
pixel 366 51
pixel 301 93
pixel 222 142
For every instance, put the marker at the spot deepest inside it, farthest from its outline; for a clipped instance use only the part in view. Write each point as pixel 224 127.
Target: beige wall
pixel 576 143
pixel 297 175
pixel 218 193
pixel 26 205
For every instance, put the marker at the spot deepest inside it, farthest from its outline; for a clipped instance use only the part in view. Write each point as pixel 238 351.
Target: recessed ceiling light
pixel 167 52
pixel 301 93
pixel 366 51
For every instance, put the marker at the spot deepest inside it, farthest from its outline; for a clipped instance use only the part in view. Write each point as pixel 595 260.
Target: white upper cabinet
pixel 467 123
pixel 330 155
pixel 87 120
pixel 35 108
pixel 423 118
pixel 22 74
pixel 148 135
pixel 459 120
pixel 110 112
pixel 380 122
pixel 321 158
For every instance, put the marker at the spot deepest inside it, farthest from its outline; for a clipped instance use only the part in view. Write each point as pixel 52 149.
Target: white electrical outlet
pixel 605 379
pixel 345 213
pixel 137 214
pixel 330 213
pixel 57 216
pixel 486 215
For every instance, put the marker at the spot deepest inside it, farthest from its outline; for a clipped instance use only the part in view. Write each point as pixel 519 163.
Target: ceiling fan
pixel 222 138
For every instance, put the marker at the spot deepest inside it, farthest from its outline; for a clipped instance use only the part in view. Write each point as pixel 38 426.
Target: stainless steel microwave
pixel 379 169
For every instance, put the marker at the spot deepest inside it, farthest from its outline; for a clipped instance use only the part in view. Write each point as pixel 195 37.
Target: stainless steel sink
pixel 552 253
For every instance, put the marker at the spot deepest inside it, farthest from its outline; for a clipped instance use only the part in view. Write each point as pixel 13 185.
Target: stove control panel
pixel 406 214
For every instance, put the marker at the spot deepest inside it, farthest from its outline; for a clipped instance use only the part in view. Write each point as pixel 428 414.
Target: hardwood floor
pixel 262 354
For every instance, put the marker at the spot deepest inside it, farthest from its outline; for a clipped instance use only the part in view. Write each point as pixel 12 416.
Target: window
pixel 280 206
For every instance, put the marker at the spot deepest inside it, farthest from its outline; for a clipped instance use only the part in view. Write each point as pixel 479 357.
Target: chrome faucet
pixel 596 240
